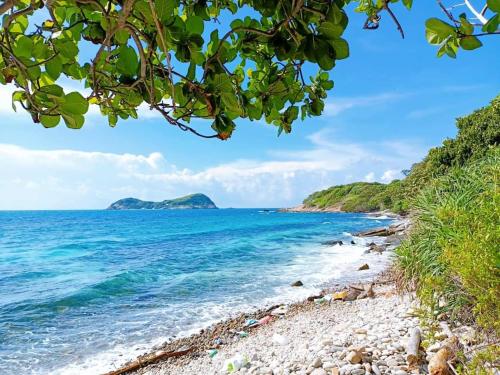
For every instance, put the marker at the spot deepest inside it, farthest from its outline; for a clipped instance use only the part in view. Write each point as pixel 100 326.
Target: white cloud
pixel 370 177
pixel 390 174
pixel 335 106
pixel 64 179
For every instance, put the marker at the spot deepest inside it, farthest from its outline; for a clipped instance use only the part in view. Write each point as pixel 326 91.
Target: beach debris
pixel 235 363
pixel 265 320
pixel 312 298
pixel 364 267
pixel 218 341
pixel 280 339
pixel 242 333
pixel 413 346
pixel 340 295
pixel 148 360
pixel 323 299
pixel 251 322
pixel 212 353
pixel 439 363
pixel 297 283
pixel 281 310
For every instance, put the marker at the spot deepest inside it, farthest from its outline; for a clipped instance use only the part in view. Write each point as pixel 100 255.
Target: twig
pixel 398 25
pixel 478 15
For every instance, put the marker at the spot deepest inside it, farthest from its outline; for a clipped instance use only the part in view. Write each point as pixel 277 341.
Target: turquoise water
pixel 83 291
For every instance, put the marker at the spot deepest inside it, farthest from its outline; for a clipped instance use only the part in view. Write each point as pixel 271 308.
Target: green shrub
pixel 452 256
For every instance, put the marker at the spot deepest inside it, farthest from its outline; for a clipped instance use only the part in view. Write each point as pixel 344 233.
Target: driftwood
pixel 438 365
pixel 412 347
pixel 138 363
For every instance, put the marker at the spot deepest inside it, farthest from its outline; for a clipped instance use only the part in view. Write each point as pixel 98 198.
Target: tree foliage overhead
pixel 179 60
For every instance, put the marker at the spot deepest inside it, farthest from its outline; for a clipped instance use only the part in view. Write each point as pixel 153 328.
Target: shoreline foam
pixel 203 340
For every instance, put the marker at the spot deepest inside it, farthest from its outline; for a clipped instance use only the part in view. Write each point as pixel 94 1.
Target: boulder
pixel 298 283
pixel 364 267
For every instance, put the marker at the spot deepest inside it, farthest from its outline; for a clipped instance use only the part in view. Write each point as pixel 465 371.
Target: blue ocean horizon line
pixel 89 288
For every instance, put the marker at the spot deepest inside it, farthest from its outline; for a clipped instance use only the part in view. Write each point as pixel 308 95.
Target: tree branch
pixel 6 6
pixel 478 15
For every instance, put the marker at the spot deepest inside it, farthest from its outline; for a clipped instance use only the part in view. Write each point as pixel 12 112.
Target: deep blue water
pixel 82 291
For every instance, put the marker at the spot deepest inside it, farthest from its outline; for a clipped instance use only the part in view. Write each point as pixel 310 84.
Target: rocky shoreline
pixel 211 343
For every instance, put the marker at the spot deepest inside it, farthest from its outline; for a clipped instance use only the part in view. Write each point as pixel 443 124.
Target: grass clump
pixel 452 256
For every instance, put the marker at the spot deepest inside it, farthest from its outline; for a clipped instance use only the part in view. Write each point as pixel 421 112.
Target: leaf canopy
pixel 184 60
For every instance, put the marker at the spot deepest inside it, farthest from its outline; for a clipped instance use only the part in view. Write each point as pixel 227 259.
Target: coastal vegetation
pixel 478 134
pixel 450 256
pixel 356 197
pixel 270 62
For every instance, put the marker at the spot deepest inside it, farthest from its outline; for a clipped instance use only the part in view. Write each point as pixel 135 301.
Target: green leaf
pixel 69 50
pixel 73 121
pixel 23 47
pixel 54 68
pixel 75 104
pixel 470 43
pixel 465 26
pixel 128 62
pixel 330 30
pixel 50 121
pixel 408 3
pixel 341 48
pixel 325 55
pixel 164 9
pixel 438 31
pixel 194 25
pixel 231 102
pixel 494 5
pixel 492 25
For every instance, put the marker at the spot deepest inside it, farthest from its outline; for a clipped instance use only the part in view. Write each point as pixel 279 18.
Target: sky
pixel 393 100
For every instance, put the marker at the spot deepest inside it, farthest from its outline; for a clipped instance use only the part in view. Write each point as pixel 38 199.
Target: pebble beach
pixel 359 337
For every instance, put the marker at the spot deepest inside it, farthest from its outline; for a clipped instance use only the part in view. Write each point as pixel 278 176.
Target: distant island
pixel 192 201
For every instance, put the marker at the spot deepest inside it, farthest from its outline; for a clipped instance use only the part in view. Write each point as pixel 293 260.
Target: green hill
pixel 478 134
pixel 356 197
pixel 193 201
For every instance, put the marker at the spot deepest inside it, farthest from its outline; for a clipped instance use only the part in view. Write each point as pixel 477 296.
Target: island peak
pixel 191 201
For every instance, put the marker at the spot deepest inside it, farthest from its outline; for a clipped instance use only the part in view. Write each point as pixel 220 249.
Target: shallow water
pixel 83 291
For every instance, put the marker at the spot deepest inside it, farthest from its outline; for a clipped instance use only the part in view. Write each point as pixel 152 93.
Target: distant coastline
pixel 192 201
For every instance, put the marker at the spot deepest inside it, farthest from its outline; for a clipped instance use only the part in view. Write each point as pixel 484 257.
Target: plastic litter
pixel 235 363
pixel 323 299
pixel 242 334
pixel 212 353
pixel 265 320
pixel 218 341
pixel 282 310
pixel 251 322
pixel 280 339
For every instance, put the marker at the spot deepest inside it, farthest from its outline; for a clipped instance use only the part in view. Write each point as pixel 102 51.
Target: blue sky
pixel 393 99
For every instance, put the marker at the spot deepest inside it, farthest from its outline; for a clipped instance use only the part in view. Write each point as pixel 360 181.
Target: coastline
pixel 173 355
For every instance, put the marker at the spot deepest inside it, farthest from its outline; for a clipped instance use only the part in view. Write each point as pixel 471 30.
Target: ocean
pixel 82 292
